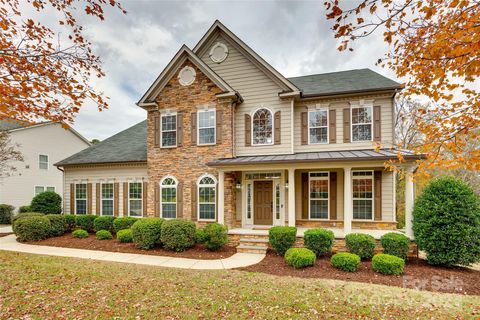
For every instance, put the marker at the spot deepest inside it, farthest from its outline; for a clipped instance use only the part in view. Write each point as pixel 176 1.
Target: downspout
pixel 63 188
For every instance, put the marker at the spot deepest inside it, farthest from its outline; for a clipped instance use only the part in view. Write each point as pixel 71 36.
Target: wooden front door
pixel 263 202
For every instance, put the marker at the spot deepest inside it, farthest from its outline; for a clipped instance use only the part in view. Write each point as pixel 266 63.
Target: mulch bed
pixel 5 234
pixel 91 243
pixel 418 274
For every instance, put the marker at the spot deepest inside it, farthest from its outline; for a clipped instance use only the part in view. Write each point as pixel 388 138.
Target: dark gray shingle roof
pixel 350 81
pixel 10 124
pixel 129 145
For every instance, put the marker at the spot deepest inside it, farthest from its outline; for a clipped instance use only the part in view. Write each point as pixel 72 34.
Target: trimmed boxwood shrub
pixel 23 209
pixel 178 235
pixel 125 235
pixel 345 261
pixel 6 213
pixel 59 224
pixel 388 264
pixel 103 223
pixel 282 238
pixel 85 221
pixel 80 233
pixel 300 257
pixel 146 232
pixel 319 241
pixel 199 236
pixel 395 244
pixel 446 223
pixel 70 219
pixel 103 235
pixel 47 202
pixel 123 223
pixel 361 244
pixel 24 215
pixel 32 228
pixel 215 236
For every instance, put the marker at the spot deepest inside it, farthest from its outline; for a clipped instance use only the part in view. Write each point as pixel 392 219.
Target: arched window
pixel 262 127
pixel 206 198
pixel 168 198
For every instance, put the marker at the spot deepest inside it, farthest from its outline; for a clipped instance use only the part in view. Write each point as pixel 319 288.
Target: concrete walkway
pixel 6 229
pixel 9 243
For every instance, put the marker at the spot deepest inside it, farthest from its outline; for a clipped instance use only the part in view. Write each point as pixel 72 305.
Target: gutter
pixel 315 95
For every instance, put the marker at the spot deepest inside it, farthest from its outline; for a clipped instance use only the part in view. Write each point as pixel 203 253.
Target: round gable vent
pixel 219 52
pixel 186 76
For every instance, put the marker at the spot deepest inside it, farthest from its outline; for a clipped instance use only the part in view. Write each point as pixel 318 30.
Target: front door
pixel 263 202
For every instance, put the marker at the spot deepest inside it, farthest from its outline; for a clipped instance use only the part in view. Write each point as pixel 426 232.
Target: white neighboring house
pixel 41 145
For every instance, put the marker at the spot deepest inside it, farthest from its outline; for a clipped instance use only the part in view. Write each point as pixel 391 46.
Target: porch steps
pixel 253 244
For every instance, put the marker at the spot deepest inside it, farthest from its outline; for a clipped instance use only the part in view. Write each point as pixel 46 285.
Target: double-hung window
pixel 362 195
pixel 206 198
pixel 318 126
pixel 40 189
pixel 168 130
pixel 135 199
pixel 318 194
pixel 362 123
pixel 43 161
pixel 168 191
pixel 206 127
pixel 107 199
pixel 81 198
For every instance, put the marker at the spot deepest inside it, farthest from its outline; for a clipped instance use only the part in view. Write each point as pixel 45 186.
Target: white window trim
pixel 327 126
pixel 249 220
pixel 214 185
pixel 214 127
pixel 141 200
pixel 176 192
pixel 352 124
pixel 101 199
pixel 44 189
pixel 170 114
pixel 86 198
pixel 373 193
pixel 48 161
pixel 35 191
pixel 327 178
pixel 273 128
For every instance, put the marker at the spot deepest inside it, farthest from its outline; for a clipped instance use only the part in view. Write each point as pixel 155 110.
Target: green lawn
pixel 41 287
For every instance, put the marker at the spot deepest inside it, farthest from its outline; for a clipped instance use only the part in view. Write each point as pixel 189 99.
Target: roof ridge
pixel 325 73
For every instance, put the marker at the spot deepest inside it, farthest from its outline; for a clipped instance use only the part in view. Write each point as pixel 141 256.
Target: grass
pixel 41 287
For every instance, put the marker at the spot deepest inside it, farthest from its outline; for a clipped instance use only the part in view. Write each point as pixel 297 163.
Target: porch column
pixel 291 197
pixel 221 197
pixel 409 201
pixel 347 201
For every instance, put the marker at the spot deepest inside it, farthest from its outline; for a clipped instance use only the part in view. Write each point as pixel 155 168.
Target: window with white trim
pixel 43 161
pixel 168 130
pixel 107 199
pixel 168 198
pixel 362 195
pixel 318 185
pixel 50 189
pixel 206 198
pixel 318 126
pixel 135 199
pixel 206 127
pixel 362 125
pixel 262 125
pixel 40 189
pixel 81 198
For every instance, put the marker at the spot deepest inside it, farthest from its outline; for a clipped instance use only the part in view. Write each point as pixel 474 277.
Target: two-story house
pixel 230 139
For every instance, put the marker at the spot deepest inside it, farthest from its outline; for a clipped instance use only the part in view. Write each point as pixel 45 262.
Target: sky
pixel 294 37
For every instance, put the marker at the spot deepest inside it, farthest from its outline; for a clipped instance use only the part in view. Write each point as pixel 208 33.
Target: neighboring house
pixel 229 139
pixel 41 144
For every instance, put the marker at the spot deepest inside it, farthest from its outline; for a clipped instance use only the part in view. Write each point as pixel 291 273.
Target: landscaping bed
pixel 5 234
pixel 418 274
pixel 91 243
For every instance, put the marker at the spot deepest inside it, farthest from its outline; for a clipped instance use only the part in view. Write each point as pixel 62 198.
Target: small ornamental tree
pixel 446 223
pixel 47 202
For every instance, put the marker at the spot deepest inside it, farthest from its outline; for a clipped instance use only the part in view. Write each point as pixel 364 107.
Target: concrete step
pixel 255 240
pixel 251 249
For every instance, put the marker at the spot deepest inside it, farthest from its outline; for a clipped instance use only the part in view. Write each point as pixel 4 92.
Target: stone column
pixel 291 197
pixel 221 197
pixel 409 201
pixel 347 201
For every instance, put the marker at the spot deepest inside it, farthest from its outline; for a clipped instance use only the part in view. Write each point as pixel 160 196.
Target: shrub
pixel 123 223
pixel 6 213
pixel 23 209
pixel 59 224
pixel 199 236
pixel 446 223
pixel 103 223
pixel 104 235
pixel 361 244
pixel 178 235
pixel 300 257
pixel 282 238
pixel 24 215
pixel 146 232
pixel 395 244
pixel 125 235
pixel 319 241
pixel 345 261
pixel 80 233
pixel 32 228
pixel 215 236
pixel 47 202
pixel 70 219
pixel 85 221
pixel 388 264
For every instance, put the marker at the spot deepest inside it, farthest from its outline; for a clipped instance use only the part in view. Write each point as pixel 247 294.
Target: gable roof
pixel 183 54
pixel 350 81
pixel 129 145
pixel 7 124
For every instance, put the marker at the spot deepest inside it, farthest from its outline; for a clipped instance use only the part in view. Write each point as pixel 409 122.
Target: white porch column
pixel 347 200
pixel 409 200
pixel 221 197
pixel 291 197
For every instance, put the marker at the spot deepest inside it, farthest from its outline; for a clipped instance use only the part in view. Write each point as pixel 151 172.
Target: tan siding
pixel 387 196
